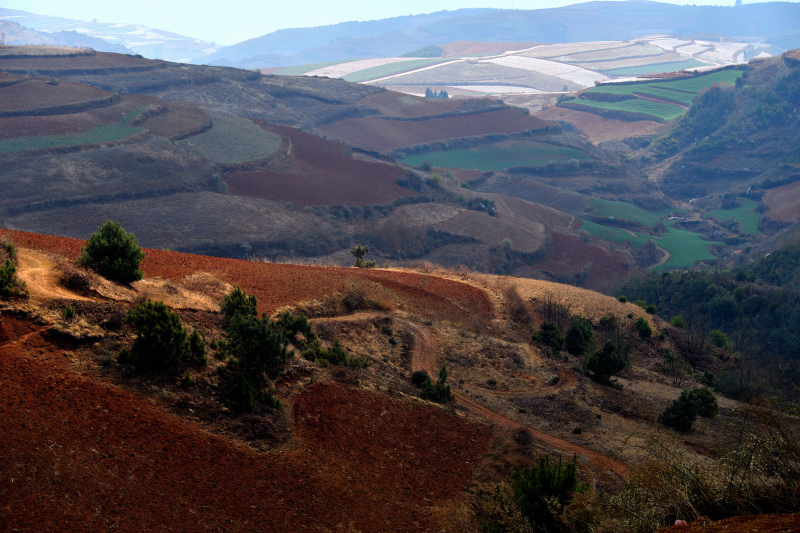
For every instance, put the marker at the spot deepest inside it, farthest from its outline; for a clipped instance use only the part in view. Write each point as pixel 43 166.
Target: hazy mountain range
pixel 773 23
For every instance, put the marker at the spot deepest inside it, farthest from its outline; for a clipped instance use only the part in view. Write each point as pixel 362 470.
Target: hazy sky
pixel 232 21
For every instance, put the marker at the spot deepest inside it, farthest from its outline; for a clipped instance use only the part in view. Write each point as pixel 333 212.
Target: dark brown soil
pixel 382 134
pixel 31 95
pixel 786 523
pixel 319 172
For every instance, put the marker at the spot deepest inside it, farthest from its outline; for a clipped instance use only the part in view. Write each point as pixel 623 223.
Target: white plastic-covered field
pixel 578 75
pixel 691 50
pixel 343 69
pixel 498 89
pixel 553 50
pixel 723 52
pixel 669 44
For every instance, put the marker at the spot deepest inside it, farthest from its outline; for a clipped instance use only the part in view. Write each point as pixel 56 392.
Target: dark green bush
pixel 113 253
pixel 9 283
pixel 651 309
pixel 609 360
pixel 237 303
pixel 437 392
pixel 579 338
pixel 622 298
pixel 293 325
pixel 644 327
pixel 683 411
pixel 258 353
pixel 679 322
pixel 162 343
pixel 542 492
pixel 550 335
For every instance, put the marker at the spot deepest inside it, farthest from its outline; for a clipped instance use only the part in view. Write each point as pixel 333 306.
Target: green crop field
pixel 685 248
pixel 624 210
pixel 299 70
pixel 658 110
pixel 745 214
pixel 681 97
pixel 614 234
pixel 103 133
pixel 392 68
pixel 233 140
pixel 498 156
pixel 656 68
pixel 696 83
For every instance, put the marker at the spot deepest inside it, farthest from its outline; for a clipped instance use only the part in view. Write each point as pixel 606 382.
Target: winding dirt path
pixel 39 272
pixel 423 357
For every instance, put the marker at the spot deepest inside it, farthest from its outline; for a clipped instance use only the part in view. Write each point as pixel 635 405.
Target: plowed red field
pixel 36 94
pixel 80 455
pixel 570 255
pixel 320 172
pixel 374 133
pixel 599 129
pixel 277 285
pixel 394 104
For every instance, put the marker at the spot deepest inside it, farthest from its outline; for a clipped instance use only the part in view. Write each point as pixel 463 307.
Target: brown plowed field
pixel 784 202
pixel 381 134
pixel 394 104
pixel 180 120
pixel 277 285
pixel 319 172
pixel 31 126
pixel 99 61
pixel 6 78
pixel 33 95
pixel 81 455
pixel 569 255
pixel 785 523
pixel 599 129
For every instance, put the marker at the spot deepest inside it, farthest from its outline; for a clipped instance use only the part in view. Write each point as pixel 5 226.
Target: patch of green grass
pixel 614 234
pixel 745 214
pixel 656 68
pixel 392 68
pixel 102 133
pixel 697 83
pixel 612 208
pixel 498 156
pixel 299 70
pixel 657 110
pixel 685 248
pixel 233 140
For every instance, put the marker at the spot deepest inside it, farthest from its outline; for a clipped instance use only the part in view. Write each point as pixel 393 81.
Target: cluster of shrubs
pixel 436 392
pixel 685 410
pixel 599 364
pixel 10 285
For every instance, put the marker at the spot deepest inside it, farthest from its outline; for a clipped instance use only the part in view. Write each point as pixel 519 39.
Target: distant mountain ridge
pixel 774 21
pixel 149 42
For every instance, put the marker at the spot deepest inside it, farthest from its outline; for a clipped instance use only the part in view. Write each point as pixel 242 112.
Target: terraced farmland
pixel 745 214
pixel 498 156
pixel 233 140
pixel 637 107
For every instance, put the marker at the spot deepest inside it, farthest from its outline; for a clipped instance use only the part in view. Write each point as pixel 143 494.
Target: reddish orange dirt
pixel 786 523
pixel 784 202
pixel 599 129
pixel 570 255
pixel 277 285
pixel 319 172
pixel 30 95
pixel 374 133
pixel 80 455
pixel 394 104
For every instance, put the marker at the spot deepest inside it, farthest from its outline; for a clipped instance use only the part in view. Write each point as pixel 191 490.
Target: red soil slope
pixel 277 285
pixel 80 455
pixel 784 202
pixel 374 133
pixel 394 104
pixel 34 94
pixel 599 129
pixel 319 172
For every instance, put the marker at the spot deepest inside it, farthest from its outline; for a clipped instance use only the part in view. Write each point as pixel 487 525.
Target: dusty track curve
pixel 423 357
